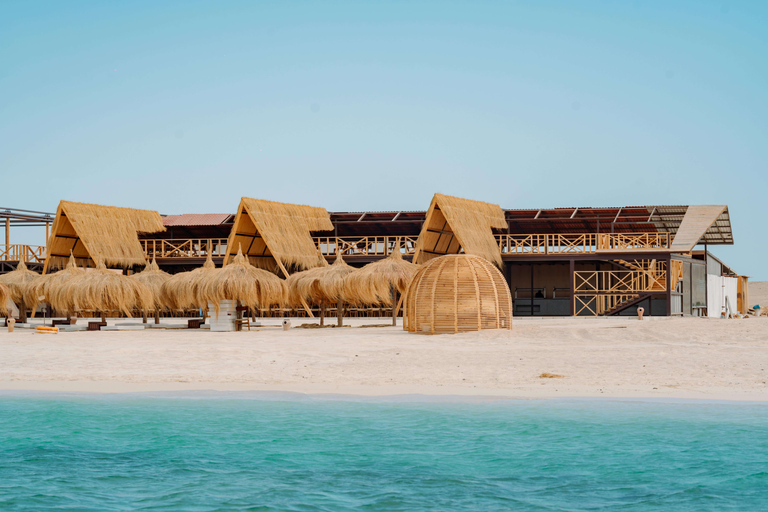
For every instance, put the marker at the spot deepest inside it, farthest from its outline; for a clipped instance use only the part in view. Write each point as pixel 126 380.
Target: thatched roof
pixel 4 295
pixel 180 291
pixel 51 287
pixel 101 289
pixel 241 281
pixel 153 278
pixel 18 281
pixel 372 283
pixel 320 283
pixel 93 232
pixel 454 224
pixel 275 235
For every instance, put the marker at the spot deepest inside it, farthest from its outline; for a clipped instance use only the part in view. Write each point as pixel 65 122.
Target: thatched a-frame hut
pixel 105 290
pixel 243 283
pixel 18 282
pixel 93 233
pixel 277 235
pixel 454 225
pixel 51 288
pixel 153 278
pixel 180 291
pixel 380 282
pixel 5 294
pixel 322 285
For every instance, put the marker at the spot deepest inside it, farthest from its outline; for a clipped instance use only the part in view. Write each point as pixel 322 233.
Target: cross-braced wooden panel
pixel 457 293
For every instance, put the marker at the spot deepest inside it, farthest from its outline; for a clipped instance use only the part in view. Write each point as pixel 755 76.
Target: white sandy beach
pixel 687 358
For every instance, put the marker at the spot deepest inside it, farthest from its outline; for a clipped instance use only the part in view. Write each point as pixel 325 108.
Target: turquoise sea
pixel 280 452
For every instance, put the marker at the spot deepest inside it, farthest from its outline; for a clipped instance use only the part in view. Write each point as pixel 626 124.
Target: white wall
pixel 717 289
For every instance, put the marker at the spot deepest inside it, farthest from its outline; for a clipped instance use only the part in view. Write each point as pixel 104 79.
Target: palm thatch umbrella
pixel 49 287
pixel 243 283
pixel 321 285
pixel 18 282
pixel 153 278
pixel 180 291
pixel 379 282
pixel 103 290
pixel 4 295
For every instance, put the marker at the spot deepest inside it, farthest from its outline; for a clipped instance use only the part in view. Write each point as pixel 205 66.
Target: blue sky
pixel 186 106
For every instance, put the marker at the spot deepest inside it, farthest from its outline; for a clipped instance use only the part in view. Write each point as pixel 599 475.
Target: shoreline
pixel 361 393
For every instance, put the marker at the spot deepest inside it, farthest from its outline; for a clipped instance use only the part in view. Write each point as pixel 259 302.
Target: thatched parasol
pixel 103 290
pixel 153 278
pixel 321 285
pixel 18 282
pixel 180 291
pixel 380 281
pixel 49 287
pixel 241 282
pixel 4 295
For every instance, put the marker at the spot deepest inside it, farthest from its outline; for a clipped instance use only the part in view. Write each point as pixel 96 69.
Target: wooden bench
pixel 194 323
pixel 96 326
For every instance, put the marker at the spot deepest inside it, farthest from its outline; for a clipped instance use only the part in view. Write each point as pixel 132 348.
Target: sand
pixel 690 358
pixel 758 294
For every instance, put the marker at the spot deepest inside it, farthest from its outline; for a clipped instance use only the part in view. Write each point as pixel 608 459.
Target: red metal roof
pixel 196 219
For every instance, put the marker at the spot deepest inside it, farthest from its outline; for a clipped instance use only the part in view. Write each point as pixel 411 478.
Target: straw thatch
pixel 153 278
pixel 5 294
pixel 321 285
pixel 18 282
pixel 277 235
pixel 180 291
pixel 104 290
pixel 51 286
pixel 242 282
pixel 454 225
pixel 93 232
pixel 375 282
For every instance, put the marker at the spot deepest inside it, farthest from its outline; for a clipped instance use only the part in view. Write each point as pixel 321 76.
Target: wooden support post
pixel 22 311
pixel 322 312
pixel 144 317
pixel 393 291
pixel 340 312
pixel 157 316
pixel 7 236
pixel 573 286
pixel 47 231
pixel 669 286
pixel 531 289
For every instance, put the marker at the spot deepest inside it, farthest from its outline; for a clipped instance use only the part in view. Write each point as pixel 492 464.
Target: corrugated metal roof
pixel 196 219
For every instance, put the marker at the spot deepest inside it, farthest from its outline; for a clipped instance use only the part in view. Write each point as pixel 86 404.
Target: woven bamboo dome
pixel 458 293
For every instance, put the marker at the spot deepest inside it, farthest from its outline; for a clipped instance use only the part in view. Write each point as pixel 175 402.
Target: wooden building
pixel 557 261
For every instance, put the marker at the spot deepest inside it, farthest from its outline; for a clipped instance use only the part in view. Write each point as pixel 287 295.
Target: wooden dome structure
pixel 457 293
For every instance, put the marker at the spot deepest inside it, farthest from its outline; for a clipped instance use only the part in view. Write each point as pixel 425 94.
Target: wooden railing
pixel 365 245
pixel 594 305
pixel 25 253
pixel 620 281
pixel 381 246
pixel 580 243
pixel 184 248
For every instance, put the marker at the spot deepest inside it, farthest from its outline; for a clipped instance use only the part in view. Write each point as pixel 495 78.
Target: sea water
pixel 234 452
